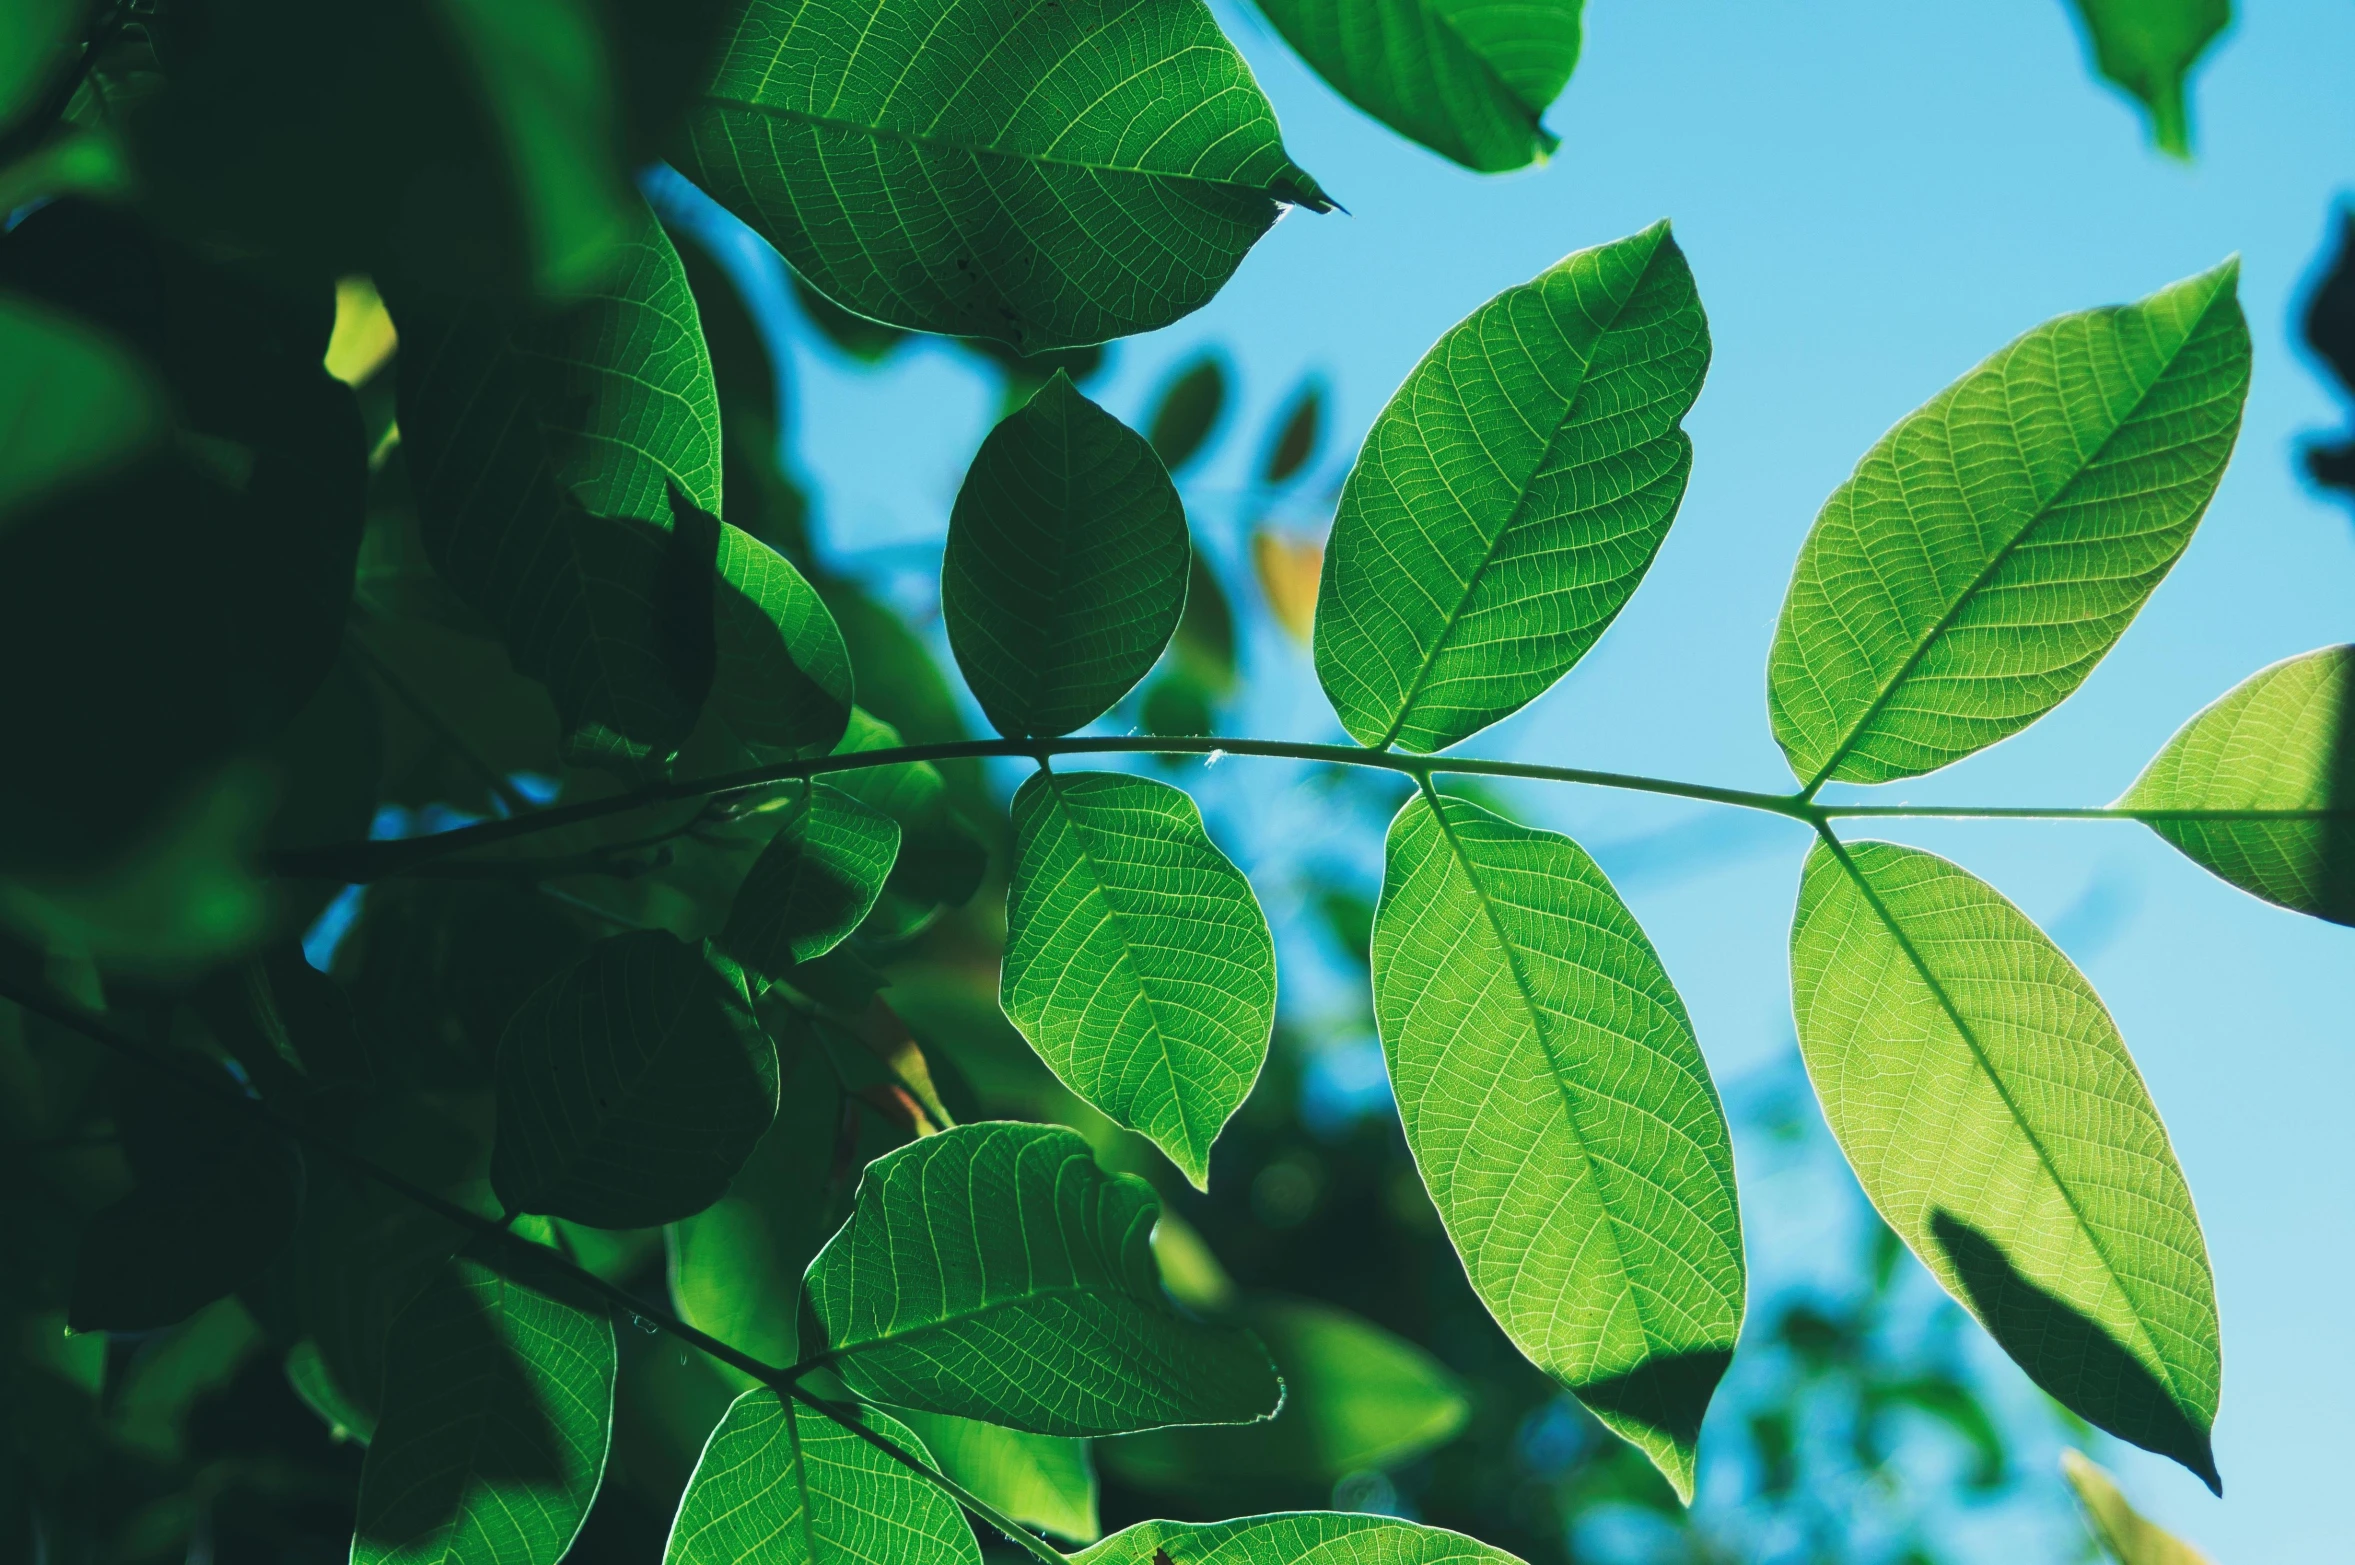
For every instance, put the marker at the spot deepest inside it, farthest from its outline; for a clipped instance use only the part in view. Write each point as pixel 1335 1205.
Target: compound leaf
pixel 1296 1538
pixel 781 1484
pixel 1992 1113
pixel 813 883
pixel 2148 47
pixel 2280 740
pixel 1138 963
pixel 1558 1107
pixel 498 1407
pixel 1042 1481
pixel 1466 79
pixel 995 1272
pixel 631 1088
pixel 1990 549
pixel 1065 571
pixel 1510 498
pixel 1045 175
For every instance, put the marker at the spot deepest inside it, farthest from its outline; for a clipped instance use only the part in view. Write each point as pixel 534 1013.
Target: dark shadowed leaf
pixel 2283 739
pixel 1186 411
pixel 1558 1107
pixel 2148 48
pixel 813 883
pixel 1465 79
pixel 632 1088
pixel 1510 498
pixel 497 1412
pixel 1042 175
pixel 1031 1298
pixel 783 1484
pixel 72 405
pixel 1297 436
pixel 1993 547
pixel 1065 572
pixel 1138 963
pixel 1992 1113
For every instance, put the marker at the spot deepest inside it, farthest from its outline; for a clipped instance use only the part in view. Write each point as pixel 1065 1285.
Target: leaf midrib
pixel 1995 1079
pixel 1522 489
pixel 1978 583
pixel 1488 70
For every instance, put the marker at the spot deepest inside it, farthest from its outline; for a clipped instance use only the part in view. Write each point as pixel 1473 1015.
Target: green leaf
pixel 2148 47
pixel 498 1408
pixel 994 1271
pixel 1993 1115
pixel 1510 498
pixel 1990 549
pixel 939 861
pixel 37 40
pixel 632 1088
pixel 315 1383
pixel 1465 79
pixel 1296 1538
pixel 1298 436
pixel 1042 1481
pixel 1040 175
pixel 1065 571
pixel 1560 1112
pixel 2126 1535
pixel 1355 1397
pixel 782 1484
pixel 781 686
pixel 1138 963
pixel 813 883
pixel 2283 739
pixel 1186 410
pixel 73 405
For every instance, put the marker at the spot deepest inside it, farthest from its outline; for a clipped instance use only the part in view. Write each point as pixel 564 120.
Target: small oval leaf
pixel 631 1088
pixel 1065 572
pixel 1993 547
pixel 1510 498
pixel 2283 739
pixel 1556 1102
pixel 1992 1113
pixel 1138 963
pixel 813 883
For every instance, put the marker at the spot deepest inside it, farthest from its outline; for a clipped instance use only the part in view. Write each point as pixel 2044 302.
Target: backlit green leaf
pixel 2283 739
pixel 1990 549
pixel 1296 1538
pixel 1993 1115
pixel 1355 1397
pixel 994 1271
pixel 782 1484
pixel 1042 175
pixel 72 404
pixel 2126 1535
pixel 1065 572
pixel 497 1412
pixel 1466 79
pixel 1138 963
pixel 1563 1120
pixel 1043 1481
pixel 1510 498
pixel 631 1088
pixel 813 883
pixel 2148 47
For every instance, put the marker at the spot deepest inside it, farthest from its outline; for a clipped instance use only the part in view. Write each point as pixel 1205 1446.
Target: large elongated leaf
pixel 497 1411
pixel 1512 495
pixel 2283 739
pixel 1065 571
pixel 814 881
pixel 631 1088
pixel 1043 1481
pixel 1991 1112
pixel 568 472
pixel 1296 1538
pixel 1138 963
pixel 995 1272
pixel 1990 549
pixel 2148 48
pixel 781 1484
pixel 1560 1112
pixel 1466 79
pixel 1041 174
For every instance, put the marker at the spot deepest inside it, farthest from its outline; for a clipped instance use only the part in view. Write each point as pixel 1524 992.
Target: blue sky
pixel 1873 197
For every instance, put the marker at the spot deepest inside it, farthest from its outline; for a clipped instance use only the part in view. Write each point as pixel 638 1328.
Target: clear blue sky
pixel 1873 197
